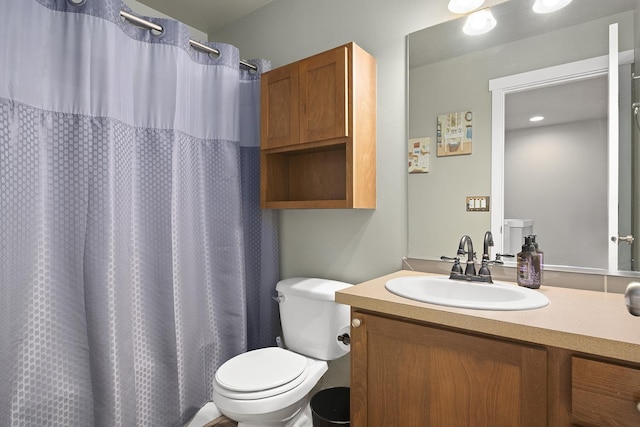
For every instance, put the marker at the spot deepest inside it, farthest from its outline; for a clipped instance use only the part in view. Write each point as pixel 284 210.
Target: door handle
pixel 628 239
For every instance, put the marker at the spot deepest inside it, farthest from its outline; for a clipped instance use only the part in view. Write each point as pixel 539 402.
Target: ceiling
pixel 564 103
pixel 207 16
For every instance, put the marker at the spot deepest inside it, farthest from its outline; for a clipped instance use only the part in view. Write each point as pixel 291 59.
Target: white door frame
pixel 613 148
pixel 502 86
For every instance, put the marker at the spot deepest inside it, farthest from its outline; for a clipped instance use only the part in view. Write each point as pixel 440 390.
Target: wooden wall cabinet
pixel 406 373
pixel 318 132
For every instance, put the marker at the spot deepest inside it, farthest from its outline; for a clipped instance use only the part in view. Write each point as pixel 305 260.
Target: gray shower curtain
pixel 134 256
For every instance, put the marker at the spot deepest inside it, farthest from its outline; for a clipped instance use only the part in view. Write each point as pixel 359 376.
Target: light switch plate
pixel 478 203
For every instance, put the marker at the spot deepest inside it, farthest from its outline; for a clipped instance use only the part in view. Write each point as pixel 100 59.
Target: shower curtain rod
pixel 194 44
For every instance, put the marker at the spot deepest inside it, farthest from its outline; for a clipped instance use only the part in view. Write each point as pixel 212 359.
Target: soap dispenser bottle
pixel 528 265
pixel 540 254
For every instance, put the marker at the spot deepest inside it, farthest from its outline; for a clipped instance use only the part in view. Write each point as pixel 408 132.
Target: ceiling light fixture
pixel 464 6
pixel 479 22
pixel 547 6
pixel 536 119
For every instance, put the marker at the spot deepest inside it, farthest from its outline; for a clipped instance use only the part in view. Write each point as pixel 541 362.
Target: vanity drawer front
pixel 604 394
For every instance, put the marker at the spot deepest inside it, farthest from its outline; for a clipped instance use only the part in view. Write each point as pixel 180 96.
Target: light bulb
pixel 479 22
pixel 547 6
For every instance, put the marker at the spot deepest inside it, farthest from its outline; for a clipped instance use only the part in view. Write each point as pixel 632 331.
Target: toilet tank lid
pixel 310 287
pixel 518 222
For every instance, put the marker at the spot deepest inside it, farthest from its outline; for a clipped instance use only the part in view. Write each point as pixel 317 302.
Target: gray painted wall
pixel 570 213
pixel 348 245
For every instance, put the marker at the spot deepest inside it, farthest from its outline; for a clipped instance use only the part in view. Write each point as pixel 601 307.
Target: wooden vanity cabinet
pixel 410 374
pixel 604 394
pixel 318 132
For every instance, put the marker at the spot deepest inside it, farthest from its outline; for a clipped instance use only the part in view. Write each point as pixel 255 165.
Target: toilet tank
pixel 311 319
pixel 515 231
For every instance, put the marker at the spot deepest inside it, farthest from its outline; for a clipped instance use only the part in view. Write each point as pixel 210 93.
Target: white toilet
pixel 271 386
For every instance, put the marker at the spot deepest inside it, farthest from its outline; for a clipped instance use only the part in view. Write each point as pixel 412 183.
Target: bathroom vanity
pixel 573 362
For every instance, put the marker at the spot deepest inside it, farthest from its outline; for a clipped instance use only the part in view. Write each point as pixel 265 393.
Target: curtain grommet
pixel 157 33
pixel 77 2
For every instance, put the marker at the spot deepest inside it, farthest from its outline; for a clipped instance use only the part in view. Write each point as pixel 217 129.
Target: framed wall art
pixel 455 134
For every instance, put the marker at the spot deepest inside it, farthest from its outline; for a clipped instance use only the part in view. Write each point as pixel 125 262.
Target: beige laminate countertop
pixel 585 321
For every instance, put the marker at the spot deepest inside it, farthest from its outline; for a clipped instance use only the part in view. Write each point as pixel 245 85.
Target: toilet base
pixel 301 419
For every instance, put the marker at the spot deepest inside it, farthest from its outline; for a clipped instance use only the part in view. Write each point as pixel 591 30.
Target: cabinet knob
pixel 638 406
pixel 356 323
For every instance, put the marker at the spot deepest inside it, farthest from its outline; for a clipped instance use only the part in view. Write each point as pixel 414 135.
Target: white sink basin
pixel 458 293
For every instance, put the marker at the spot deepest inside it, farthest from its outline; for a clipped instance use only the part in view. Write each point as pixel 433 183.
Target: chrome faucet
pixel 465 247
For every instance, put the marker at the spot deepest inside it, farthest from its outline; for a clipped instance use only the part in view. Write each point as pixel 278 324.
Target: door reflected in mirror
pixel 555 170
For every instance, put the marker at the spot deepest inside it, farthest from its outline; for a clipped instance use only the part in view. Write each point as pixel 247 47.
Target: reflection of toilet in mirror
pixel 515 231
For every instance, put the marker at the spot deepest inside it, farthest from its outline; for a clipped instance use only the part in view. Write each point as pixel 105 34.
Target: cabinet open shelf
pixel 314 177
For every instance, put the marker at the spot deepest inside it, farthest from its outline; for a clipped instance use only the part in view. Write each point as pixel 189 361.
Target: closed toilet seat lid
pixel 262 369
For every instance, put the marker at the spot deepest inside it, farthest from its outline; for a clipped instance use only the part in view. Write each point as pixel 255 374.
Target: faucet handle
pixel 456 268
pixel 484 269
pixel 505 255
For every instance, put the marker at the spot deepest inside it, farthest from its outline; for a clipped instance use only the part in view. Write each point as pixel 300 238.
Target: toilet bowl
pixel 271 386
pixel 257 399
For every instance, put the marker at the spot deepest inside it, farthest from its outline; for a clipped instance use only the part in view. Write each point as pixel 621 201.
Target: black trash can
pixel 330 407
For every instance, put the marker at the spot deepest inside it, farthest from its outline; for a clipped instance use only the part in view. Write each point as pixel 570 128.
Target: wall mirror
pixel 449 76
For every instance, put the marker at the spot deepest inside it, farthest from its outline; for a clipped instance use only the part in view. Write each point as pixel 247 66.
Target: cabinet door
pixel 604 394
pixel 279 107
pixel 407 374
pixel 324 96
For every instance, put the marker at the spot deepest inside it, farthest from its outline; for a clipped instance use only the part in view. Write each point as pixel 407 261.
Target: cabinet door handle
pixel 355 323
